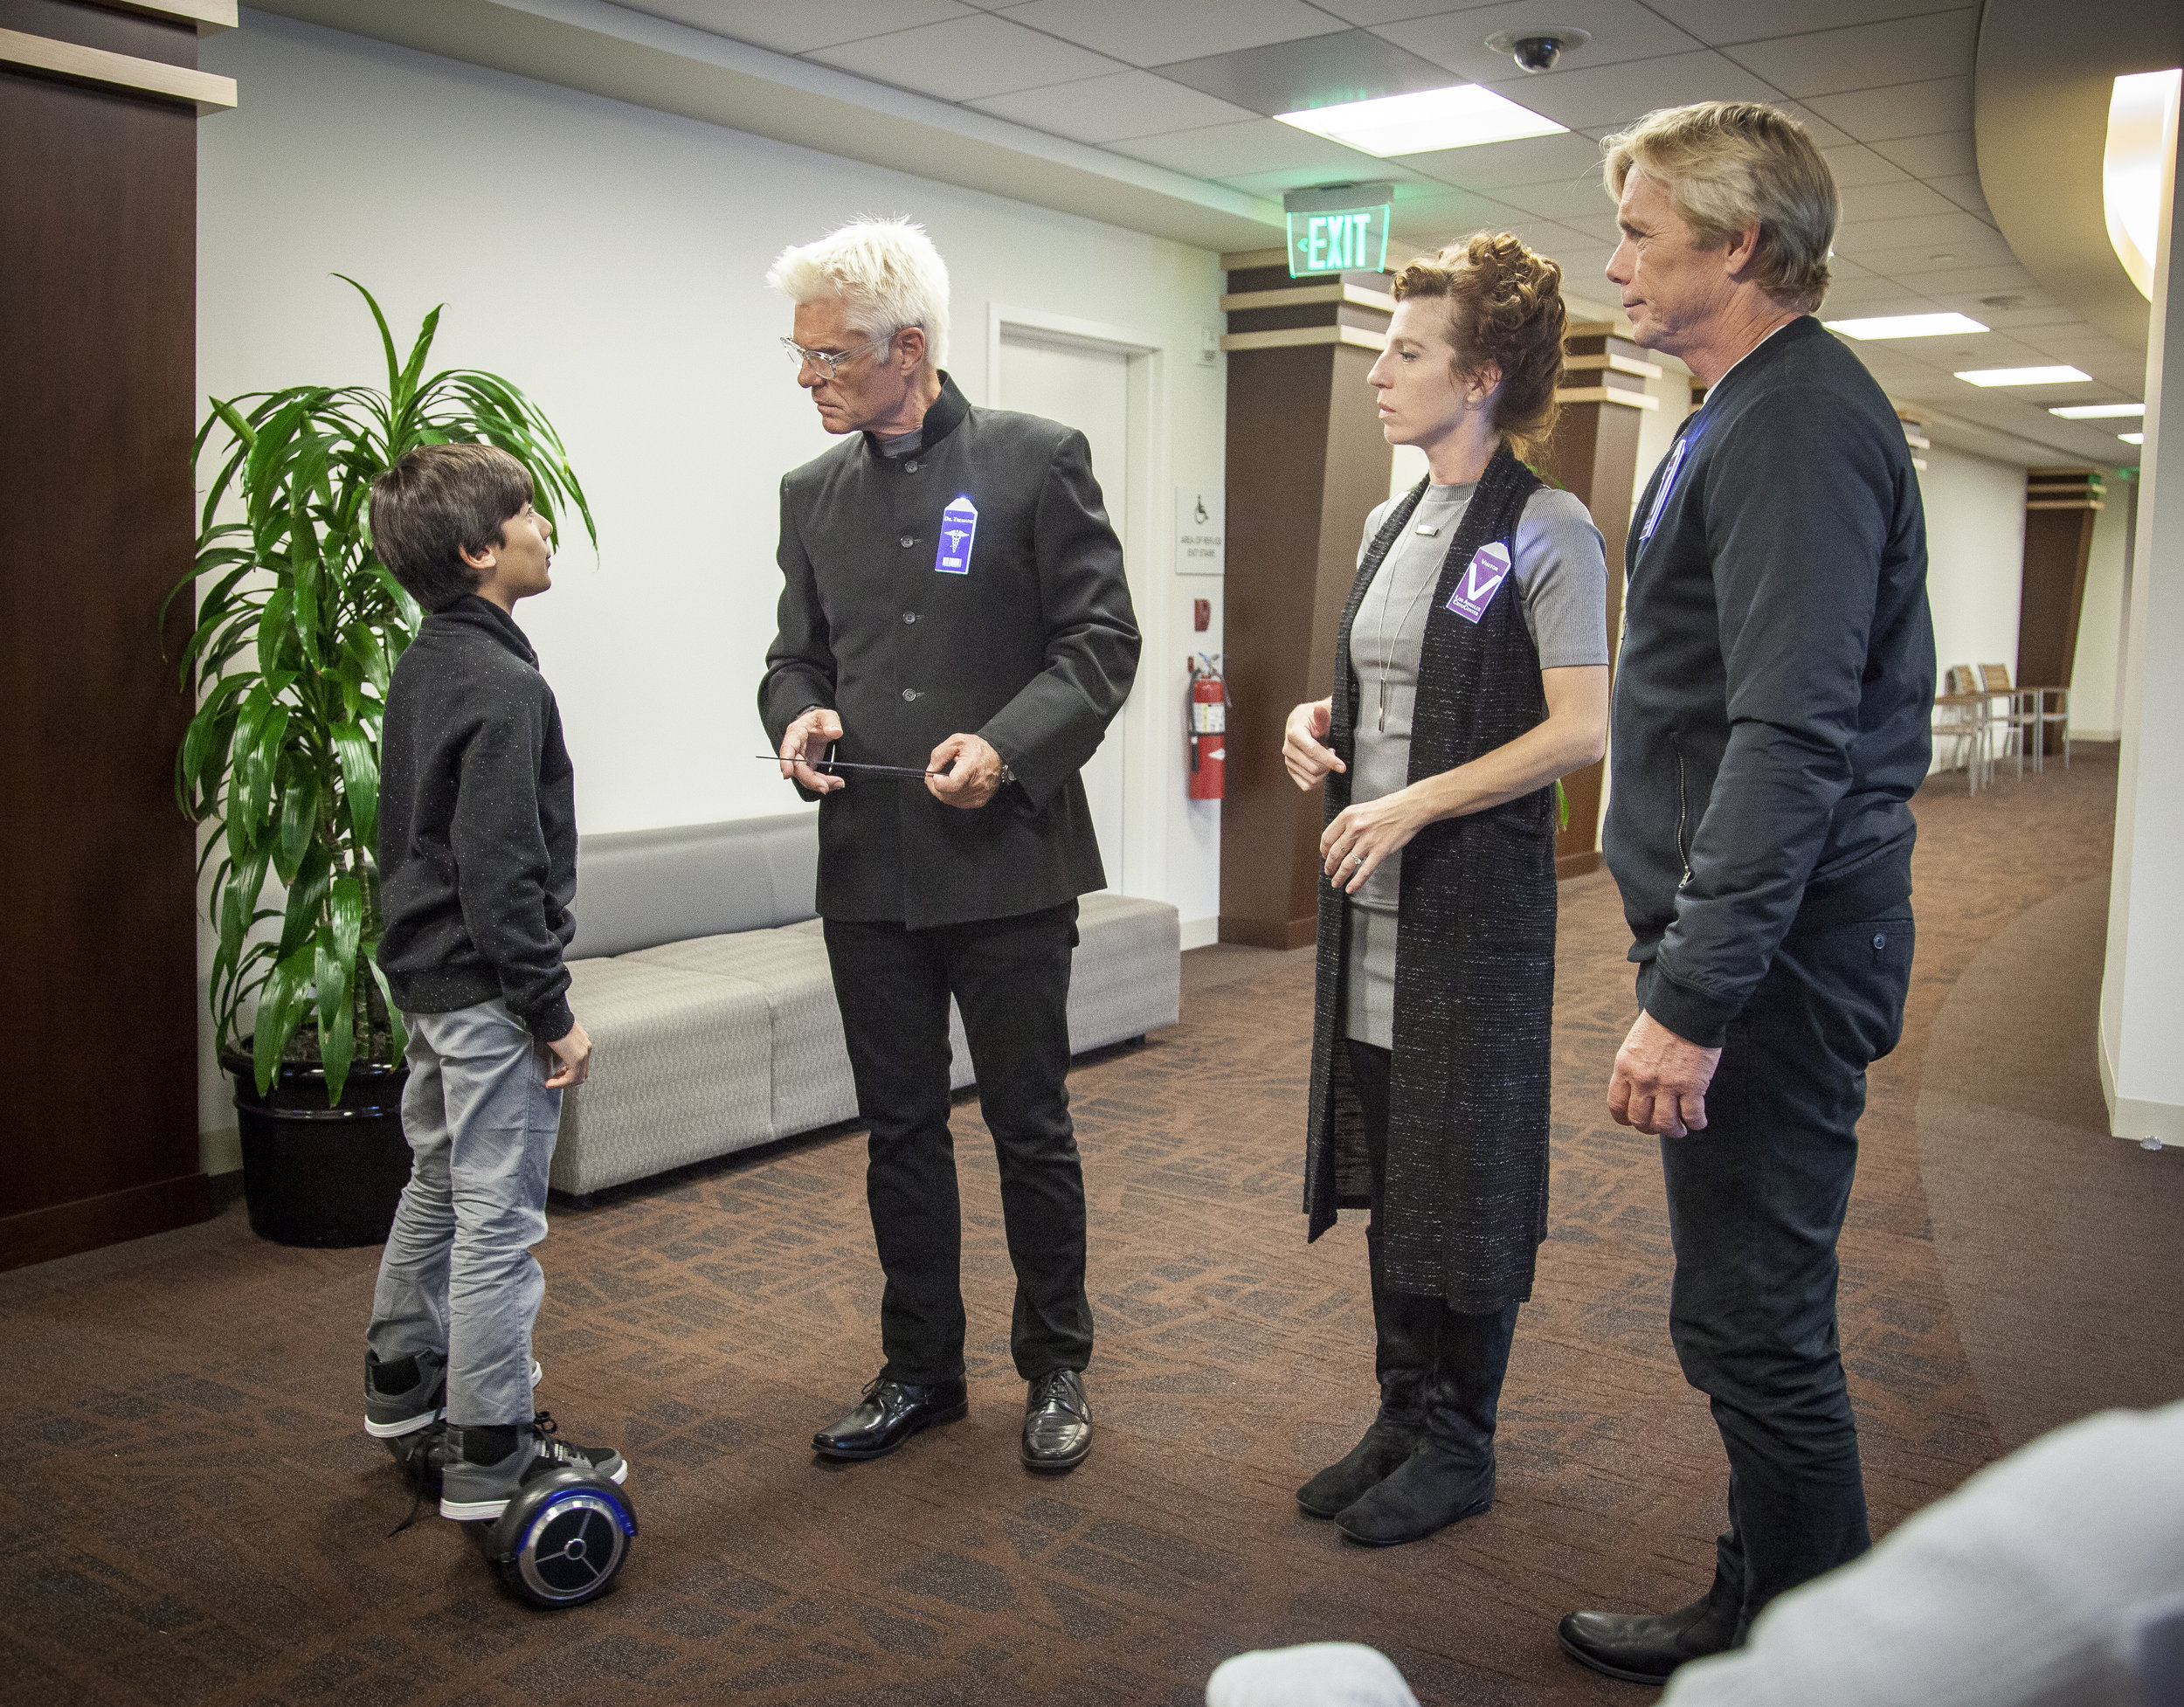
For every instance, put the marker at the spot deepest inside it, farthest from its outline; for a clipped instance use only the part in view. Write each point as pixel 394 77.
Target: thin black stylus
pixel 846 764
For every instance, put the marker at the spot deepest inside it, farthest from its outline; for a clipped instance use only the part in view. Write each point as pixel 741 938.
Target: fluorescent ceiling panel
pixel 2133 438
pixel 2099 412
pixel 2142 138
pixel 1905 326
pixel 1462 117
pixel 2024 377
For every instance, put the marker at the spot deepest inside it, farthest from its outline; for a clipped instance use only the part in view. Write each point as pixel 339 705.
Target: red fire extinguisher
pixel 1207 723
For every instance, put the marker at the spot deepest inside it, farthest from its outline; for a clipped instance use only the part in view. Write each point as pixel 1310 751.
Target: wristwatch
pixel 1007 775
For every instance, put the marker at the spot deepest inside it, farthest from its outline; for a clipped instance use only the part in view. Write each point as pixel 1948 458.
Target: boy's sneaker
pixel 404 1395
pixel 487 1467
pixel 409 1393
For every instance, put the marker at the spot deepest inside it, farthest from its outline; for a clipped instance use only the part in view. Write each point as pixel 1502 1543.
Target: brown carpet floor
pixel 197 1517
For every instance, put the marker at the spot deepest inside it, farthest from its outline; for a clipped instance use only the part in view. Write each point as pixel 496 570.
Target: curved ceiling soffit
pixel 2040 121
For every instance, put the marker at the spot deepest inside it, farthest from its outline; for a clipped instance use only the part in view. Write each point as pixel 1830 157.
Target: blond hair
pixel 1731 164
pixel 1504 309
pixel 886 272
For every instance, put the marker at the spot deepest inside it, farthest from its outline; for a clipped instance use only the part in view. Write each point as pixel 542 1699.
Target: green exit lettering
pixel 1347 240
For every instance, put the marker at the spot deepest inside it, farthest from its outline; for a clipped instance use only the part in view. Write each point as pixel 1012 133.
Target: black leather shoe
pixel 1057 1422
pixel 1644 1648
pixel 892 1411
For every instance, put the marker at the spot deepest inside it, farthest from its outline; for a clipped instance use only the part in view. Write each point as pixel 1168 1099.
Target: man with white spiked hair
pixel 955 635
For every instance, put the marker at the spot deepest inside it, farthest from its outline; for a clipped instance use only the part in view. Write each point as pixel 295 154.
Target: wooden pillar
pixel 2060 504
pixel 1594 454
pixel 99 110
pixel 1306 465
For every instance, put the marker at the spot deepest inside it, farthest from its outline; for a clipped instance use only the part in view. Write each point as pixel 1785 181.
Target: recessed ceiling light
pixel 2133 438
pixel 2142 138
pixel 2099 412
pixel 1460 117
pixel 1905 326
pixel 2024 377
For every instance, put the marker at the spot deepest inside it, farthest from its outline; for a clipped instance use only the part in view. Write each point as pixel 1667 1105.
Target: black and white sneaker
pixel 408 1394
pixel 485 1468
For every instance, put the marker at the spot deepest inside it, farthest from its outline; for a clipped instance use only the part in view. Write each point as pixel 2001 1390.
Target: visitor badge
pixel 1483 578
pixel 958 533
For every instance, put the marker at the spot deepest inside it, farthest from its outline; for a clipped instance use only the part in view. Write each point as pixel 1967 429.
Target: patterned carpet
pixel 199 1518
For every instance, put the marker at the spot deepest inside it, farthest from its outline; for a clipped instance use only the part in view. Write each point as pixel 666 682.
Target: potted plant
pixel 298 628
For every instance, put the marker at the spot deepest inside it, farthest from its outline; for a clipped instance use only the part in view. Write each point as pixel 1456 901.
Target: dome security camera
pixel 1537 50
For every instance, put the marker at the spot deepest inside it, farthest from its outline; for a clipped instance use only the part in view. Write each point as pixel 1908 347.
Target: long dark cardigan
pixel 1466 1202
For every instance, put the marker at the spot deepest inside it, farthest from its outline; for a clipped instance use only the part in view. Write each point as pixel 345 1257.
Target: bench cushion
pixel 1126 978
pixel 643 887
pixel 681 1071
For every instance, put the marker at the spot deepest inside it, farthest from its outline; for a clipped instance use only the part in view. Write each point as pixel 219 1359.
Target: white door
pixel 1085 387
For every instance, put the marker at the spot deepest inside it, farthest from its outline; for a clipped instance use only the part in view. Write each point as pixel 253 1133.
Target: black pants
pixel 1011 979
pixel 1755 1203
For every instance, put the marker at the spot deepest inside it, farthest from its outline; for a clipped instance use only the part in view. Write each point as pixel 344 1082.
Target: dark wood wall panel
pixel 98 254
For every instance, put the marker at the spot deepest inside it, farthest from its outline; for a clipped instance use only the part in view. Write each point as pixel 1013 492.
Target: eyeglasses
pixel 831 360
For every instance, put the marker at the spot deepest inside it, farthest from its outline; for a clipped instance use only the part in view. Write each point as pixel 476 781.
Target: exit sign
pixel 1342 228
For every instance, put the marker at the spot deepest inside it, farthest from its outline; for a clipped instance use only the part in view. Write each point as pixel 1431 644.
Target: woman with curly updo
pixel 1470 674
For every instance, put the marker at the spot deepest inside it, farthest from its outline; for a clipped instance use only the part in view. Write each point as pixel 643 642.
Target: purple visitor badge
pixel 958 532
pixel 1482 580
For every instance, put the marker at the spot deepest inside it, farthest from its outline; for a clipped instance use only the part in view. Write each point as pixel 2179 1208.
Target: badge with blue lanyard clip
pixel 1668 480
pixel 958 533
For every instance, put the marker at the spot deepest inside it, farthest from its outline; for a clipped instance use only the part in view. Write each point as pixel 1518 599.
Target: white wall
pixel 2096 682
pixel 1975 551
pixel 610 259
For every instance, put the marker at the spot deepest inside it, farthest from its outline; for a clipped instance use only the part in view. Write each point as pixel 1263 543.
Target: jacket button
pixel 1880 939
pixel 909 693
pixel 909 540
pixel 910 467
pixel 909 616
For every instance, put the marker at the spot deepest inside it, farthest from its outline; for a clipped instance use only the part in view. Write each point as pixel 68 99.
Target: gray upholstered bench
pixel 700 974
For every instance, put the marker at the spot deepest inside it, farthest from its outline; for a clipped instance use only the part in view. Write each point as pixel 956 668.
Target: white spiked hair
pixel 886 272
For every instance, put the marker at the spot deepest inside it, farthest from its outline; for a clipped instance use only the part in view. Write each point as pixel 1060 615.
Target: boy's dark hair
pixel 437 502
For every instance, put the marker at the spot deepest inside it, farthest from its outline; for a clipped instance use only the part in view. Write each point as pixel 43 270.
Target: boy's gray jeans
pixel 458 1279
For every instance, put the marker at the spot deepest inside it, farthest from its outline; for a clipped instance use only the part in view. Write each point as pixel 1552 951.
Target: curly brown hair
pixel 1504 310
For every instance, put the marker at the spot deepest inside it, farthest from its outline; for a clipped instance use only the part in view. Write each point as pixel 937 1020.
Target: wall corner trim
pixel 202 89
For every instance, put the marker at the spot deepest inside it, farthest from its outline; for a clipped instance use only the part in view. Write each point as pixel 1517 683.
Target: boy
pixel 477 866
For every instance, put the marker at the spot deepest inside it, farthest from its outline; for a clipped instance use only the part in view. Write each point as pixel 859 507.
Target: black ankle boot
pixel 1404 1333
pixel 1450 1476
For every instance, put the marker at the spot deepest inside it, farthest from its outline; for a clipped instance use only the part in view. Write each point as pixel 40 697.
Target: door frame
pixel 1145 814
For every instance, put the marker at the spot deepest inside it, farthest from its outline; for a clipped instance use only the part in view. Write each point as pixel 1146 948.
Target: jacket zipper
pixel 1683 815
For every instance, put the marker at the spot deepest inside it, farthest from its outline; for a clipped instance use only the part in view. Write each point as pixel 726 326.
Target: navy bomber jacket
pixel 973 586
pixel 1775 681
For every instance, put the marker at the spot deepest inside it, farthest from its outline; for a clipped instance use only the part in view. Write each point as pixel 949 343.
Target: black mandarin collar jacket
pixel 973 586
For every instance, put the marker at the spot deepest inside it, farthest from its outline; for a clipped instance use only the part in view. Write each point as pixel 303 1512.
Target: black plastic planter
pixel 322 1176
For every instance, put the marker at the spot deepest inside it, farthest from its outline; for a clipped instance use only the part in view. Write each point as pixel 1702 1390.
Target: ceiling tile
pixel 1948 154
pixel 1921 258
pixel 1596 95
pixel 1622 30
pixel 1965 193
pixel 1561 198
pixel 1725 21
pixel 1600 227
pixel 1107 109
pixel 1905 109
pixel 1868 56
pixel 1151 32
pixel 1934 232
pixel 1853 164
pixel 1231 150
pixel 1388 11
pixel 1531 161
pixel 1325 70
pixel 1824 134
pixel 1272 184
pixel 966 58
pixel 804 26
pixel 1452 213
pixel 1863 203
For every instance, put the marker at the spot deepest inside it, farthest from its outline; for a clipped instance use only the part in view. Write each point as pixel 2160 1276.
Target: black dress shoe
pixel 890 1413
pixel 1644 1648
pixel 1057 1422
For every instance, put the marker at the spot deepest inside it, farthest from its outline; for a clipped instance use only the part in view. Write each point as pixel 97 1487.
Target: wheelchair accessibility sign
pixel 958 533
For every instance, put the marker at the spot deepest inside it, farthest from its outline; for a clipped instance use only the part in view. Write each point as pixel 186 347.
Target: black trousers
pixel 1011 979
pixel 1755 1203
